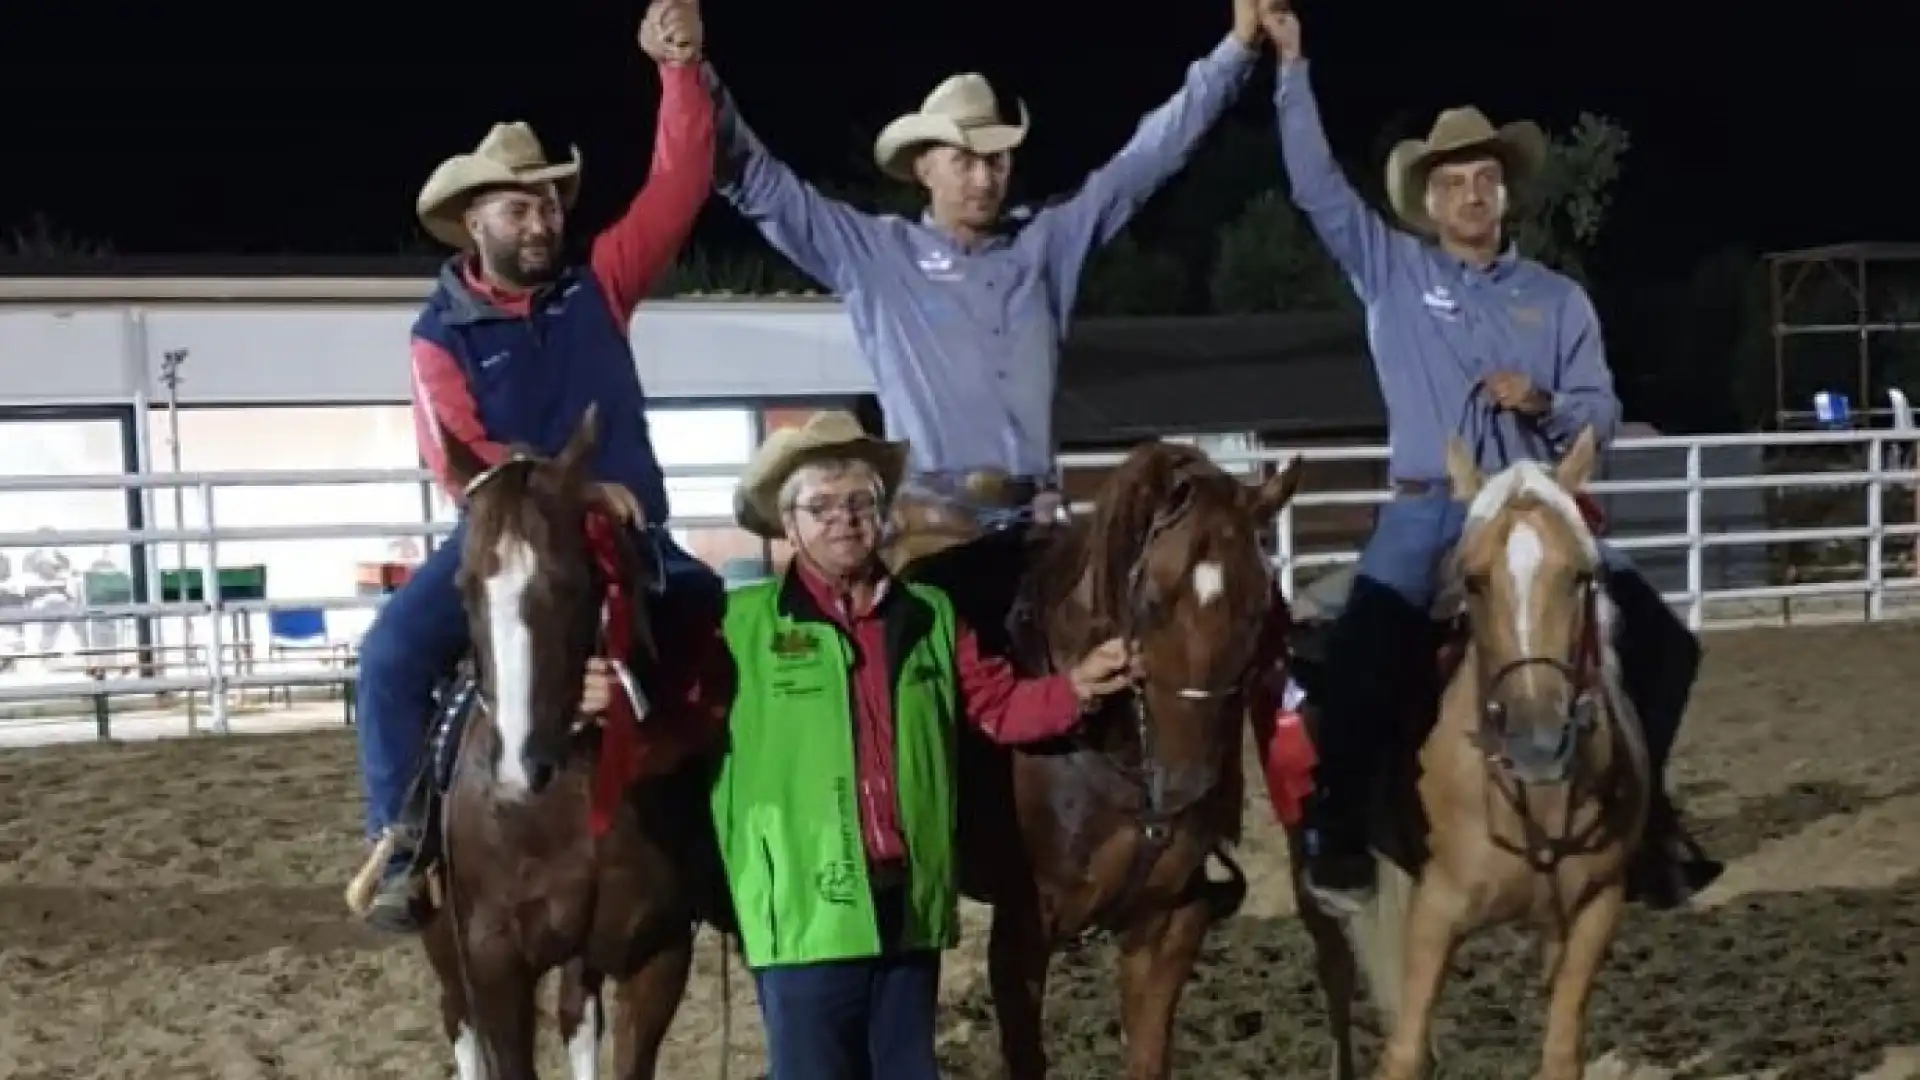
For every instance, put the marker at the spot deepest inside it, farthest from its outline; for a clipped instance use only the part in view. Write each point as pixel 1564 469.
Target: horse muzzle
pixel 1537 742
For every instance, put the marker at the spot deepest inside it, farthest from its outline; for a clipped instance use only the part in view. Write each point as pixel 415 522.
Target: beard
pixel 527 264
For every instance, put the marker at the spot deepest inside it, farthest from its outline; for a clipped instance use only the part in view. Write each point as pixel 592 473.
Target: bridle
pixel 1162 801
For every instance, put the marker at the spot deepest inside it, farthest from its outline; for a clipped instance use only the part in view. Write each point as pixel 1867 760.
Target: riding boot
pixel 1659 661
pixel 400 902
pixel 1366 653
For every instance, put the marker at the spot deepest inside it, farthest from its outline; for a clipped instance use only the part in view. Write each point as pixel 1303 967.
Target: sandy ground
pixel 172 909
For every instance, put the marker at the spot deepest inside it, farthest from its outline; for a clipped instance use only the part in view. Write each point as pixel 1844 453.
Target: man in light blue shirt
pixel 960 314
pixel 1469 339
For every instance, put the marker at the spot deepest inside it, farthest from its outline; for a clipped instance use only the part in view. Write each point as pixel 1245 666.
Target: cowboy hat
pixel 963 112
pixel 509 155
pixel 829 434
pixel 1521 146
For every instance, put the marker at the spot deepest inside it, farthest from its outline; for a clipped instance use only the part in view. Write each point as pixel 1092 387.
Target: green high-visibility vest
pixel 786 801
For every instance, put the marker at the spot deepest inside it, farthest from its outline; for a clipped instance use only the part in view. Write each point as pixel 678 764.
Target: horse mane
pixel 1114 537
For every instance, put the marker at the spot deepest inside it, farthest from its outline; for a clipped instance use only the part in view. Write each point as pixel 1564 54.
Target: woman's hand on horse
pixel 1111 667
pixel 597 692
pixel 616 498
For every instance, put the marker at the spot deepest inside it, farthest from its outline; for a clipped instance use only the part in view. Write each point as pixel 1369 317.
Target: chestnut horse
pixel 1111 829
pixel 550 854
pixel 1529 790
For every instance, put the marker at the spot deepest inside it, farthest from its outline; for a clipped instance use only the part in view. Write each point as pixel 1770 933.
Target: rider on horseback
pixel 1468 339
pixel 961 313
pixel 513 347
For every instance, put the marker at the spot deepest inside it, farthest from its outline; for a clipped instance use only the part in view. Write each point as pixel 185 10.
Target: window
pixel 716 442
pixel 331 437
pixel 54 577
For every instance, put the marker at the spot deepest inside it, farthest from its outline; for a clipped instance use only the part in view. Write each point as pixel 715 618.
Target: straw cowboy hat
pixel 509 155
pixel 963 112
pixel 830 434
pixel 1521 146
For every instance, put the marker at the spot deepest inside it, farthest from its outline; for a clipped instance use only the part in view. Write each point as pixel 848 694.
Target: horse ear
pixel 1462 471
pixel 463 465
pixel 1576 467
pixel 1279 490
pixel 585 436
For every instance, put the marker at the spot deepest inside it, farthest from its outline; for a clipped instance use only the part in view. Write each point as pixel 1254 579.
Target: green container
pixel 236 583
pixel 101 588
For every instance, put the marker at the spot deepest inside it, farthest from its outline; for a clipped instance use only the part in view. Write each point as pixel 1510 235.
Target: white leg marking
pixel 583 1050
pixel 1209 582
pixel 512 646
pixel 467 1063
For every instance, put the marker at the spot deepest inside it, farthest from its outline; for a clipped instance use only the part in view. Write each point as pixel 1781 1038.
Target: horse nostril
pixel 539 775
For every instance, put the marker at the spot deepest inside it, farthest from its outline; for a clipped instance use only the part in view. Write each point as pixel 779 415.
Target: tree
pixel 1269 260
pixel 42 238
pixel 1127 278
pixel 1563 209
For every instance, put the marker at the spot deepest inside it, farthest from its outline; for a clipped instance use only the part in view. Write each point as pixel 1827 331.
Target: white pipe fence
pixel 1871 587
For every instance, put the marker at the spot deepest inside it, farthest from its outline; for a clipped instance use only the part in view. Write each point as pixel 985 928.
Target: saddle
pixel 924 523
pixel 1317 607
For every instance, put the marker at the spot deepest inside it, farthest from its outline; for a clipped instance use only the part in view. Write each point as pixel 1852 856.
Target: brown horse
pixel 1531 788
pixel 1112 829
pixel 546 862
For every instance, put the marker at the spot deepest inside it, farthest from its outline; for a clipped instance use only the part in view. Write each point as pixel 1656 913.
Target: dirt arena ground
pixel 172 909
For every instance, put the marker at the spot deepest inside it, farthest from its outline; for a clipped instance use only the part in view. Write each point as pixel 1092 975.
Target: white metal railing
pixel 1696 539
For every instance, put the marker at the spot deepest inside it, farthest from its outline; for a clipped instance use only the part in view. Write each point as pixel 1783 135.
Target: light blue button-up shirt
pixel 964 344
pixel 1437 325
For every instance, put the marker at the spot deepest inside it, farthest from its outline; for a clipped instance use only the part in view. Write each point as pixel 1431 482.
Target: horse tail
pixel 1224 898
pixel 1379 935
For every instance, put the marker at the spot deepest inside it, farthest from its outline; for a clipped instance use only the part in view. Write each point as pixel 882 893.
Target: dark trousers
pixel 854 1019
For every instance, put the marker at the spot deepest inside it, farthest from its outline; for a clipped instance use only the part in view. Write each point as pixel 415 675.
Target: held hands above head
pixel 1282 27
pixel 671 32
pixel 597 692
pixel 1109 668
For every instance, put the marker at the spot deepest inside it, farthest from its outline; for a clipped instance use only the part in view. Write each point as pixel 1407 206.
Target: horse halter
pixel 1581 669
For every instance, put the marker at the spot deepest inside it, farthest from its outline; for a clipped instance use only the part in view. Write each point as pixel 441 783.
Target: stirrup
pixel 366 883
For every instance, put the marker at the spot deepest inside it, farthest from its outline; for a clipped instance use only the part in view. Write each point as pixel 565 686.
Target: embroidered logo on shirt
pixel 939 266
pixel 795 644
pixel 1440 302
pixel 1529 316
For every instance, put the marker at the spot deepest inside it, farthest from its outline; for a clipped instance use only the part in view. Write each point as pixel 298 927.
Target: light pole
pixel 170 364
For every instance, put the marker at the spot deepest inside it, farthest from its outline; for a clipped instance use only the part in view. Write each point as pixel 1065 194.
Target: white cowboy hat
pixel 509 155
pixel 1521 146
pixel 963 112
pixel 829 434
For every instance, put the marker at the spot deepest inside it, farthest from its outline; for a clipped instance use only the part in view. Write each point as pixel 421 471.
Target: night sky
pixel 276 128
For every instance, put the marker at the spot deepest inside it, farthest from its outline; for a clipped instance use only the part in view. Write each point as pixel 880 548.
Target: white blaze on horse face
pixel 583 1049
pixel 1525 555
pixel 467 1062
pixel 511 645
pixel 1209 582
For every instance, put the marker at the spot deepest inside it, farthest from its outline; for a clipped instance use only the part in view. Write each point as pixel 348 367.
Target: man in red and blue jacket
pixel 512 347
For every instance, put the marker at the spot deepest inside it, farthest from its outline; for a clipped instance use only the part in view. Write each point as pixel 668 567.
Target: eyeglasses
pixel 856 507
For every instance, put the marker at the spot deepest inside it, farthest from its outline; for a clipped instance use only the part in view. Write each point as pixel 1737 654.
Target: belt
pixel 1419 487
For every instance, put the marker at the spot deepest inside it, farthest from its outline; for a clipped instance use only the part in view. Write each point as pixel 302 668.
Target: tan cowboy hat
pixel 963 112
pixel 1521 146
pixel 833 433
pixel 509 155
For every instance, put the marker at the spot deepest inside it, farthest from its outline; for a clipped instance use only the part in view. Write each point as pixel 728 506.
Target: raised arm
pixel 824 237
pixel 1583 394
pixel 1355 234
pixel 1159 148
pixel 629 257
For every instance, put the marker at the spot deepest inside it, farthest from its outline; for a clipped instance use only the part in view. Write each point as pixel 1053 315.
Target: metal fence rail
pixel 1872 588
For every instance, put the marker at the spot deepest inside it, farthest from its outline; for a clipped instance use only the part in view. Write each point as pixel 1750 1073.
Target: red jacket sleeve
pixel 633 252
pixel 1009 709
pixel 443 408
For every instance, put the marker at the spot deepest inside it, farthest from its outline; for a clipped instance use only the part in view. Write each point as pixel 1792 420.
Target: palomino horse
pixel 1111 830
pixel 552 854
pixel 1531 787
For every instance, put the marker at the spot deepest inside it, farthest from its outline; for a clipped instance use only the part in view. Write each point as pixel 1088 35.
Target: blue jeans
pixel 852 1019
pixel 419 634
pixel 1381 629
